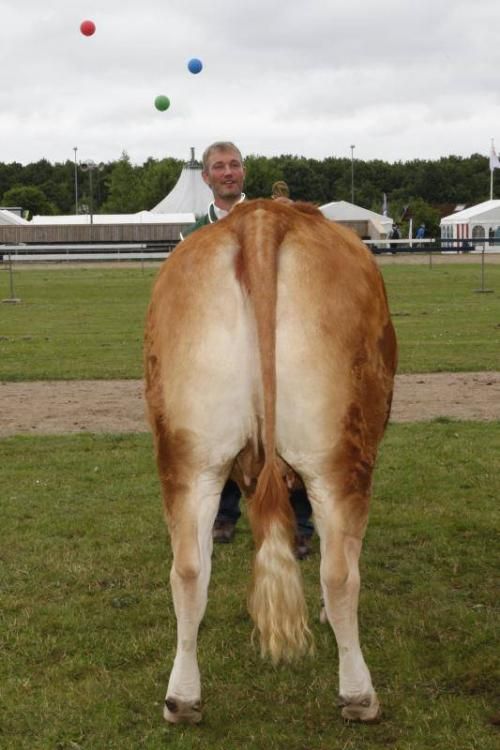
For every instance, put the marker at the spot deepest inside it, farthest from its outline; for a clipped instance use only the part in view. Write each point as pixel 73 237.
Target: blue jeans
pixel 229 507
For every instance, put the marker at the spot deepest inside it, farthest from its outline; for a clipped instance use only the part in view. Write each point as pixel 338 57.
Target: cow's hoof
pixel 177 711
pixel 365 709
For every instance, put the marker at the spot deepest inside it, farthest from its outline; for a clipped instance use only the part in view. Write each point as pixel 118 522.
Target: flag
pixel 494 160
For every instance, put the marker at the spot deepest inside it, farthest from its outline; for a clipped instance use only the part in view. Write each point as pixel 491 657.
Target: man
pixel 224 172
pixel 395 235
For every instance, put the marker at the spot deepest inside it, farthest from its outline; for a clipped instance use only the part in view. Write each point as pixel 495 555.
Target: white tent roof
pixel 488 211
pixel 345 211
pixel 9 217
pixel 190 194
pixel 142 217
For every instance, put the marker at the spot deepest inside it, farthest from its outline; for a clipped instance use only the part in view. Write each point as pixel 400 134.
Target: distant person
pixel 224 173
pixel 420 234
pixel 395 235
pixel 281 192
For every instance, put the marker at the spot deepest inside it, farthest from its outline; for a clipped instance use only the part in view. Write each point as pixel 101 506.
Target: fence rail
pixel 156 250
pixel 87 252
pixel 432 245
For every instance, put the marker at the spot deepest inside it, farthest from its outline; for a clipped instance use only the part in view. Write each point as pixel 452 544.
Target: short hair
pixel 219 146
pixel 280 190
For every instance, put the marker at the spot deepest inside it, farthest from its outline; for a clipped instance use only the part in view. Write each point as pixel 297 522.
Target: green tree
pixel 261 172
pixel 121 187
pixel 158 179
pixel 10 175
pixel 29 198
pixel 125 189
pixel 304 179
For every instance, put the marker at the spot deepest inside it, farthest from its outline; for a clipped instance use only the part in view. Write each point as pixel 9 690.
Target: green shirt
pixel 209 218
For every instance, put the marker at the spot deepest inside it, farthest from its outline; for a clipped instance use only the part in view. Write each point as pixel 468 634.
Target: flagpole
pixel 492 151
pixel 494 164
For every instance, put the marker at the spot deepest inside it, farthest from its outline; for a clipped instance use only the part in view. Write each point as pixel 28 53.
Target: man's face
pixel 225 174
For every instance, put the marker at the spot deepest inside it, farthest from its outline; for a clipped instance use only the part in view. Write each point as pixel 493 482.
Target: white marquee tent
pixel 478 222
pixel 9 217
pixel 379 226
pixel 189 195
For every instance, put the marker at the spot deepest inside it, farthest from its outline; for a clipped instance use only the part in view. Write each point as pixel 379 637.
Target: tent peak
pixel 192 163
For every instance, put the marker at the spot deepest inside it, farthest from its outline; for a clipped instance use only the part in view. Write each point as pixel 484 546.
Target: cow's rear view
pixel 269 351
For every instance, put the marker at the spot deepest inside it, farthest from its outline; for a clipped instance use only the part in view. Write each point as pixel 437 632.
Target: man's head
pixel 280 190
pixel 224 173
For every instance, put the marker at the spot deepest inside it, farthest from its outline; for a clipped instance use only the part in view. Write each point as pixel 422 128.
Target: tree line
pixel 425 190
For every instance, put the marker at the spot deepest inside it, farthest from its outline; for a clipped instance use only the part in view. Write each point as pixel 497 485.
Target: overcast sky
pixel 399 79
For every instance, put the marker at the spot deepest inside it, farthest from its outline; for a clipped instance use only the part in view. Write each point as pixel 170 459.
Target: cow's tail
pixel 276 600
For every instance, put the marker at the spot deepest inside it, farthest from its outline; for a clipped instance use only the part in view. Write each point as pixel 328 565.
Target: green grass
pixel 74 323
pixel 442 323
pixel 88 323
pixel 87 630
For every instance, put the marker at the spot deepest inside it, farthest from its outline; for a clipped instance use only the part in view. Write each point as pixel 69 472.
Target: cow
pixel 269 357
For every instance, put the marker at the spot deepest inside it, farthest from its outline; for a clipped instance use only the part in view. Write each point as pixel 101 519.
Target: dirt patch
pixel 58 407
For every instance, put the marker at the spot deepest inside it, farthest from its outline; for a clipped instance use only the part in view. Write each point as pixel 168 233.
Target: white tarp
pixel 190 194
pixel 345 211
pixel 487 212
pixel 9 217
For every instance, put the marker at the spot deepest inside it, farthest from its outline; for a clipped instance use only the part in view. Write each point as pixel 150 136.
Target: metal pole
pixel 352 172
pixel 483 290
pixel 492 166
pixel 12 294
pixel 91 197
pixel 12 297
pixel 75 149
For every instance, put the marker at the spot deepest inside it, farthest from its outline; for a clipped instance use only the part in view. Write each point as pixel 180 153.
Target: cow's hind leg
pixel 190 514
pixel 340 523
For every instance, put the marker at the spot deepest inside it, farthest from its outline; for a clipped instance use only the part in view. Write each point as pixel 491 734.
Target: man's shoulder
pixel 201 222
pixel 209 218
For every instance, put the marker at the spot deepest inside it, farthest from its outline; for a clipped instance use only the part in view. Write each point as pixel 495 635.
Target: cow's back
pixel 334 340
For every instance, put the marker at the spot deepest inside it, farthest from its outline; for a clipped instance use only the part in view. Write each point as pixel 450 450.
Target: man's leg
pixel 228 513
pixel 302 509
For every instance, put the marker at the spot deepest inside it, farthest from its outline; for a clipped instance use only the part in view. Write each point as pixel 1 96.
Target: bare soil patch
pixel 117 406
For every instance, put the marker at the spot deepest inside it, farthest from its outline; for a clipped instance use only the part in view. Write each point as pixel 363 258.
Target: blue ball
pixel 195 66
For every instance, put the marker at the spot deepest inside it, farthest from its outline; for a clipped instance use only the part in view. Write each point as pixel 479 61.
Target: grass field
pixel 87 628
pixel 87 632
pixel 88 323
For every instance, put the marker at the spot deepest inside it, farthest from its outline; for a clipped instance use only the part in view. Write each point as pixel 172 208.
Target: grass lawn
pixel 87 628
pixel 442 323
pixel 88 323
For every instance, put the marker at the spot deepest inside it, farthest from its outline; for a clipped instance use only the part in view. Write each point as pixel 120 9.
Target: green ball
pixel 162 103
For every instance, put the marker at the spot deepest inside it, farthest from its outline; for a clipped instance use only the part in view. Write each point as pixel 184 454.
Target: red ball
pixel 87 28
